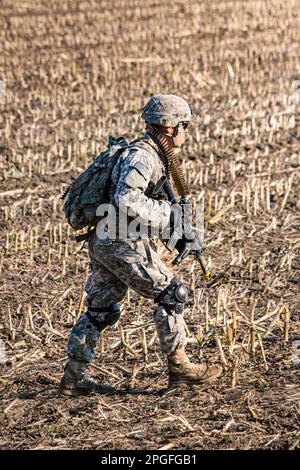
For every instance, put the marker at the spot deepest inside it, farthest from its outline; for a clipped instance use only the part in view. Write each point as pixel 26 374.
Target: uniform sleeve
pixel 135 175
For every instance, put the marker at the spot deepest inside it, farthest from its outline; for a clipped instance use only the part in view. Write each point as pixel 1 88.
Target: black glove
pixel 189 245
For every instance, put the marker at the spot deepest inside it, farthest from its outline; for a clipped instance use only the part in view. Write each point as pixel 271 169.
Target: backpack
pixel 90 188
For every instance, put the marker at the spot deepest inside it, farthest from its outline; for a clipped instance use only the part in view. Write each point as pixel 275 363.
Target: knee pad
pixel 113 315
pixel 173 297
pixel 101 317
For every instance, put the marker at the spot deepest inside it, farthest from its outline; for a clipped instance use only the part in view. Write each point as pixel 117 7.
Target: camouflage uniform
pixel 120 261
pixel 121 264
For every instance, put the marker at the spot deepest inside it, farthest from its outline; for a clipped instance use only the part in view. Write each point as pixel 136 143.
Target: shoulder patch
pixel 134 179
pixel 142 169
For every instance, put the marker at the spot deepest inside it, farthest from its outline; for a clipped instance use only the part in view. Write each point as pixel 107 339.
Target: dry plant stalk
pixel 81 301
pixel 144 344
pixel 241 161
pixel 229 338
pixel 252 340
pixel 286 324
pixel 134 372
pixel 221 352
pixel 234 371
pixel 262 350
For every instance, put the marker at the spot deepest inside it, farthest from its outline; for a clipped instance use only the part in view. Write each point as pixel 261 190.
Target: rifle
pixel 191 243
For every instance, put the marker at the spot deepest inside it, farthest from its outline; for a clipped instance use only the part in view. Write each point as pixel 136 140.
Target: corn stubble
pixel 72 78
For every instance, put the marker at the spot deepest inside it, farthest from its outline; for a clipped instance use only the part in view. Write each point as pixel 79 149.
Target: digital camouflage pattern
pixel 82 340
pixel 167 110
pixel 85 334
pixel 136 172
pixel 128 262
pixel 90 188
pixel 115 268
pixel 121 264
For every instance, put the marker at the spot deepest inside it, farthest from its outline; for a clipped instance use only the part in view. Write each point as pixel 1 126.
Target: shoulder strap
pixel 145 143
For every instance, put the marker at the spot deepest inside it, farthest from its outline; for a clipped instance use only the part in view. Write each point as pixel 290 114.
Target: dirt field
pixel 71 74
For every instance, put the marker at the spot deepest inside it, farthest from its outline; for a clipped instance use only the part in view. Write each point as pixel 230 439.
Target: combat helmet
pixel 167 110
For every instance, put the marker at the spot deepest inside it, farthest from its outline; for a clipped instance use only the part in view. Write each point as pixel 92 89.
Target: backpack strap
pixel 145 143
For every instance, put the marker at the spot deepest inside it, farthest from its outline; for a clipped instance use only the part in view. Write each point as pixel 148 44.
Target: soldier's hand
pixel 189 244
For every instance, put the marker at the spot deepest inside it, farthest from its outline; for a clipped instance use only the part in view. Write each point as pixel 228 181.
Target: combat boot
pixel 182 372
pixel 74 381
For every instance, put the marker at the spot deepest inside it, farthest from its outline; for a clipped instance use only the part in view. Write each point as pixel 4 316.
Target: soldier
pixel 131 261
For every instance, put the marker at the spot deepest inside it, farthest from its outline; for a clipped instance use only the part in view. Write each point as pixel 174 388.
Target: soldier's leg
pixel 170 326
pixel 142 270
pixel 104 291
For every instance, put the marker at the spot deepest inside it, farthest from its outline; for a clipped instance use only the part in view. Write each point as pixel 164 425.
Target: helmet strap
pixel 176 130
